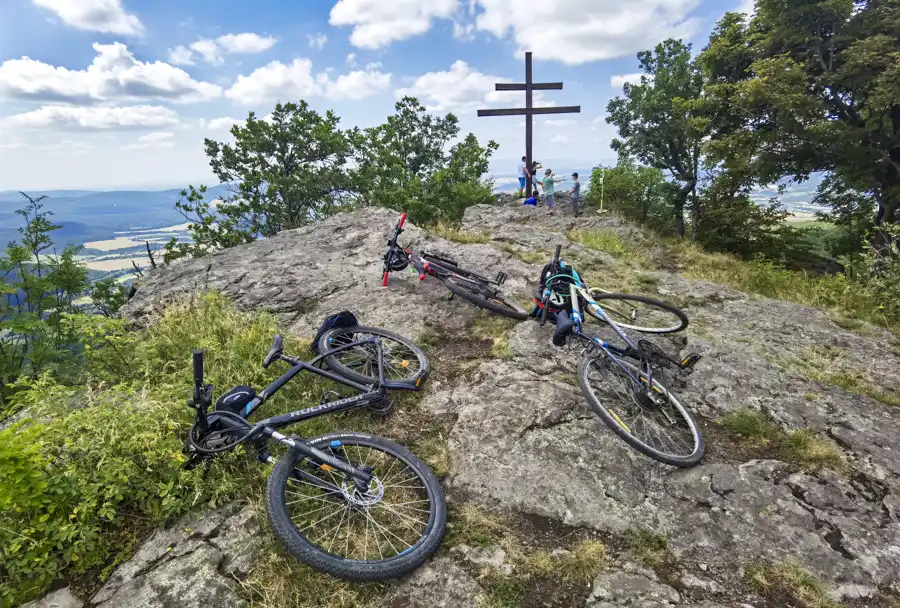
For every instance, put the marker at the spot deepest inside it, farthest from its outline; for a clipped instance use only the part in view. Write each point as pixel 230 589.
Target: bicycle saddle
pixel 564 327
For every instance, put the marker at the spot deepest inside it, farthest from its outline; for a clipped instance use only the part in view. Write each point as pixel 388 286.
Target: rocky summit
pixel 816 494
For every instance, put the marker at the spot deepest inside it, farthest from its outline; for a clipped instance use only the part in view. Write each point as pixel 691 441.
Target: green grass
pixel 528 256
pixel 786 583
pixel 833 293
pixel 457 235
pixel 804 448
pixel 279 580
pixel 650 548
pixel 823 364
pixel 608 242
pixel 69 473
pixel 495 328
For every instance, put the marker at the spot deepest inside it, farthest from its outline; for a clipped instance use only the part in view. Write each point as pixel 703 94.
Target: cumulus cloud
pixel 317 41
pixel 113 75
pixel 747 6
pixel 107 16
pixel 560 122
pixel 377 23
pixel 296 79
pixel 159 139
pixel 213 51
pixel 223 123
pixel 81 118
pixel 463 88
pixel 619 80
pixel 181 55
pixel 571 31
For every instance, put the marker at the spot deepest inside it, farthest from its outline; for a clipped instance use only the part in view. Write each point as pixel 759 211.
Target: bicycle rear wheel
pixel 640 313
pixel 655 424
pixel 403 360
pixel 324 521
pixel 485 297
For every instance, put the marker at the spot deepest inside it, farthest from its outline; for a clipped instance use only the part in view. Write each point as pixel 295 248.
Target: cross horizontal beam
pixel 530 111
pixel 522 86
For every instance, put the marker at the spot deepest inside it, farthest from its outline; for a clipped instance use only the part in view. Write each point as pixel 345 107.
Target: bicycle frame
pixel 424 267
pixel 631 350
pixel 266 429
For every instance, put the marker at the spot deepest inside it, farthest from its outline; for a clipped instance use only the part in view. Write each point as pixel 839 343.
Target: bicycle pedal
pixel 501 278
pixel 688 363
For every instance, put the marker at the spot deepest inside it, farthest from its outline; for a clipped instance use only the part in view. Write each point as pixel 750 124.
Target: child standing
pixel 576 193
pixel 549 185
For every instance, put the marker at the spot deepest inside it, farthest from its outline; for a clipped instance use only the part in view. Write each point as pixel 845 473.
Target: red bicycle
pixel 478 290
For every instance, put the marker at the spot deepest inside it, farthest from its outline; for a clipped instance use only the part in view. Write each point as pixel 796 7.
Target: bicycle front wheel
pixel 654 422
pixel 403 360
pixel 322 518
pixel 486 298
pixel 639 313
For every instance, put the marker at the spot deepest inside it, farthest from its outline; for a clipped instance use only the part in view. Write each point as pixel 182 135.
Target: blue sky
pixel 119 93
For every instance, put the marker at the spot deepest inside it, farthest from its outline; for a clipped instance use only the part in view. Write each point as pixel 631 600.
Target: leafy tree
pixel 39 290
pixel 852 210
pixel 813 86
pixel 286 170
pixel 109 296
pixel 658 121
pixel 405 164
pixel 636 192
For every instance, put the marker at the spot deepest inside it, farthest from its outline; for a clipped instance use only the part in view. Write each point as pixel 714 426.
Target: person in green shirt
pixel 548 184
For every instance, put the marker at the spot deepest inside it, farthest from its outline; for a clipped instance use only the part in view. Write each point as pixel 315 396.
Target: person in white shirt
pixel 523 174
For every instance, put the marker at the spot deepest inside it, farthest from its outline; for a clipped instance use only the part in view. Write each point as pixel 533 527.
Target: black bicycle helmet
pixel 395 261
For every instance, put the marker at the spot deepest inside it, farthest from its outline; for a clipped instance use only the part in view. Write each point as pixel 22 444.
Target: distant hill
pixel 92 216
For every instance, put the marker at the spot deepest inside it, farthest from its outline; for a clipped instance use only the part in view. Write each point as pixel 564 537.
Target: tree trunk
pixel 680 198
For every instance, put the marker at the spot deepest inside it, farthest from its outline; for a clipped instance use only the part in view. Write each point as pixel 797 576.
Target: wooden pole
pixel 529 124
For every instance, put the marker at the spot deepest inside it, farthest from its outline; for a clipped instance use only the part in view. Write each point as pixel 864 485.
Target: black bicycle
pixel 625 394
pixel 479 290
pixel 353 505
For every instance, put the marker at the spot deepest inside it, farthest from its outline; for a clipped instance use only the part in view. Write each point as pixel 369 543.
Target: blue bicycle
pixel 618 381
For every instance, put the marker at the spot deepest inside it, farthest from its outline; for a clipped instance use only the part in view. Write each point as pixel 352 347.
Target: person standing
pixel 533 175
pixel 549 186
pixel 576 193
pixel 523 176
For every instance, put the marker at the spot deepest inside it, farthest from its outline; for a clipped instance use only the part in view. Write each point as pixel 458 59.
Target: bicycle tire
pixel 497 304
pixel 610 419
pixel 321 560
pixel 328 339
pixel 453 269
pixel 669 308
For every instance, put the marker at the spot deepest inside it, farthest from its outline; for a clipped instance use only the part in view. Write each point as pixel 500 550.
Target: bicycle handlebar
pixel 198 371
pixel 402 221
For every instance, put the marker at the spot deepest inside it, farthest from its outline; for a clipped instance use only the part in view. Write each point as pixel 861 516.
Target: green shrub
pixel 85 464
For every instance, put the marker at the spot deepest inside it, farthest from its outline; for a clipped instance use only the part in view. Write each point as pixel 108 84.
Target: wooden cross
pixel 529 110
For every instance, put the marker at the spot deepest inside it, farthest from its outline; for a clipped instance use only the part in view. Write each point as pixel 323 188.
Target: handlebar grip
pixel 384 279
pixel 556 255
pixel 402 221
pixel 198 368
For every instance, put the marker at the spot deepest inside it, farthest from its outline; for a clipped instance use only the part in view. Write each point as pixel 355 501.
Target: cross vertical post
pixel 529 124
pixel 529 86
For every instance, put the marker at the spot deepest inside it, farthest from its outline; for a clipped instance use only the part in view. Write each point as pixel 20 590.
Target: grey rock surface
pixel 193 564
pixel 551 456
pixel 61 598
pixel 438 584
